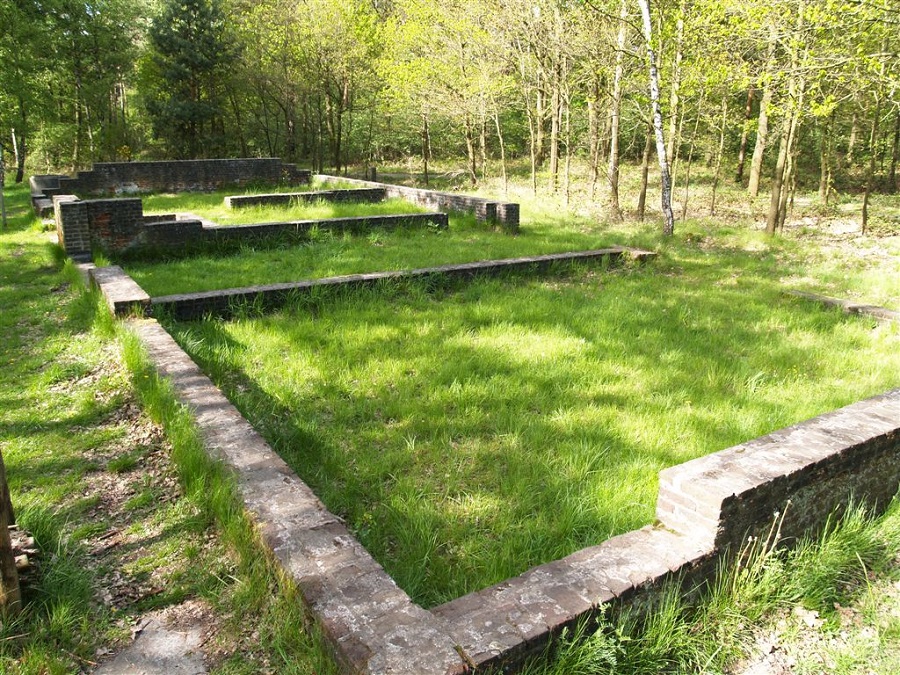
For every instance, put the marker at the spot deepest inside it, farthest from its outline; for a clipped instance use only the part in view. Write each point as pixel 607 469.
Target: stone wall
pixel 118 226
pixel 361 195
pixel 224 303
pixel 106 178
pixel 504 214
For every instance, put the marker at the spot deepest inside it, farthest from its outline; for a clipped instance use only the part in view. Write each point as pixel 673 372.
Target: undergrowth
pixel 712 633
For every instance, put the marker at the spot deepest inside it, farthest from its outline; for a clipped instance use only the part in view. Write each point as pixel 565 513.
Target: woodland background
pixel 776 93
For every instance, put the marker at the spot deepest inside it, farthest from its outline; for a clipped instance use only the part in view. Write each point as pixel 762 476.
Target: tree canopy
pixel 789 91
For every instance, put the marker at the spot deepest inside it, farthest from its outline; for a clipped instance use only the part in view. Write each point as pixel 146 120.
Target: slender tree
pixel 613 209
pixel 665 179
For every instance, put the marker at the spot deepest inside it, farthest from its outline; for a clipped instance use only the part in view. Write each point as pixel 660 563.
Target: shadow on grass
pixel 468 432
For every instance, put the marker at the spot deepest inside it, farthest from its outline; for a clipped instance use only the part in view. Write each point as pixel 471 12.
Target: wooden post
pixel 10 596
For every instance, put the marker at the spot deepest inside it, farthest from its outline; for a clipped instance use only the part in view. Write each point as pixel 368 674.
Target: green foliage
pixel 192 54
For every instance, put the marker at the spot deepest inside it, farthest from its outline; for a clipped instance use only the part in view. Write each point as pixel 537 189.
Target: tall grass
pixel 60 396
pixel 715 630
pixel 259 586
pixel 469 432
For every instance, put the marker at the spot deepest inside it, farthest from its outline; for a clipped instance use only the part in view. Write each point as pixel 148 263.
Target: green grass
pixel 330 255
pixel 211 206
pixel 763 589
pixel 526 416
pixel 469 432
pixel 61 388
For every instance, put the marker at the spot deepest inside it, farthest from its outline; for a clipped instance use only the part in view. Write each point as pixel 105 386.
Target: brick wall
pixel 117 226
pixel 361 195
pixel 504 214
pixel 72 226
pixel 169 176
pixel 801 475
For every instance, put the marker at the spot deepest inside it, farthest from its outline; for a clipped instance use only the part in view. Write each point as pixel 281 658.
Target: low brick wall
pixel 706 507
pixel 119 226
pixel 361 195
pixel 504 214
pixel 106 178
pixel 849 306
pixel 224 303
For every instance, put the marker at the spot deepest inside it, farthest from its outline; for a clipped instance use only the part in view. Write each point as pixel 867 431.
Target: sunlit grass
pixel 211 206
pixel 821 577
pixel 58 389
pixel 469 433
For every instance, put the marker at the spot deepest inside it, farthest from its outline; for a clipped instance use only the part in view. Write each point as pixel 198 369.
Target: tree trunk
pixel 825 159
pixel 745 135
pixel 778 179
pixel 470 151
pixel 895 150
pixel 851 144
pixel 20 142
pixel 594 133
pixel 645 170
pixel 665 179
pixel 568 142
pixel 426 146
pixel 482 141
pixel 687 179
pixel 870 171
pixel 539 128
pixel 555 112
pixel 719 151
pixel 674 98
pixel 532 147
pixel 762 127
pixel 502 150
pixel 10 595
pixel 613 209
pixel 676 153
pixel 790 120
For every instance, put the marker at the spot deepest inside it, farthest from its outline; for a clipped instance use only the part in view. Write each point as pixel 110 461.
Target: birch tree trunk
pixel 665 179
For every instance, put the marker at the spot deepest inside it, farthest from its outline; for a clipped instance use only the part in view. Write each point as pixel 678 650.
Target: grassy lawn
pixel 469 432
pixel 466 432
pixel 121 528
pixel 210 205
pixel 328 255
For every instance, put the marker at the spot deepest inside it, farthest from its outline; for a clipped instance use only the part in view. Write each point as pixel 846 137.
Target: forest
pixel 770 94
